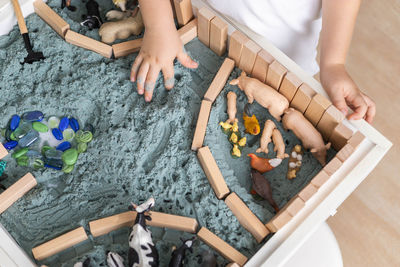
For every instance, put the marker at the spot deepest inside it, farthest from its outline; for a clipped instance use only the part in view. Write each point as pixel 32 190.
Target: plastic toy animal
pixel 250 121
pixel 265 95
pixel 114 260
pixel 178 255
pixel 269 126
pixel 263 165
pixel 122 29
pixel 306 132
pixel 120 3
pixel 295 162
pixel 67 4
pixel 92 20
pixel 263 188
pixel 208 259
pixel 279 145
pixel 231 107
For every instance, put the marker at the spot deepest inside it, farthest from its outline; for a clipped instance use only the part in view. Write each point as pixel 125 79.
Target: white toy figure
pixel 114 260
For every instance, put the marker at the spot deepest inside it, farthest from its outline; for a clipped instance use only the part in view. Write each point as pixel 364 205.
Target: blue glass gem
pixel 74 124
pixel 32 116
pixel 57 134
pixel 22 130
pixel 53 163
pixel 15 119
pixel 29 139
pixel 10 145
pixel 53 154
pixel 52 167
pixel 33 154
pixel 64 146
pixel 64 122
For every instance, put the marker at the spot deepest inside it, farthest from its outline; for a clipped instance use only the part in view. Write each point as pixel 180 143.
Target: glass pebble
pixel 53 122
pixel 14 123
pixel 64 123
pixel 20 152
pixel 29 139
pixel 74 124
pixel 10 145
pixel 40 127
pixel 33 153
pixel 68 168
pixel 22 130
pixel 53 154
pixel 68 134
pixel 64 146
pixel 89 127
pixel 45 148
pixel 70 156
pixel 23 161
pixel 53 162
pixel 57 134
pixel 83 136
pixel 82 147
pixel 32 116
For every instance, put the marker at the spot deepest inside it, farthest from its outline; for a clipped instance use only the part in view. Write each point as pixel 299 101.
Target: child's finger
pixel 187 61
pixel 169 79
pixel 151 79
pixel 141 77
pixel 135 67
pixel 369 117
pixel 339 102
pixel 359 108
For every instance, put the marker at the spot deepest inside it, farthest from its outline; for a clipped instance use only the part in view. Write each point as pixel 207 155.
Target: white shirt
pixel 291 25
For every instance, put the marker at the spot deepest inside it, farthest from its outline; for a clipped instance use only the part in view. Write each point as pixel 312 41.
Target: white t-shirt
pixel 291 25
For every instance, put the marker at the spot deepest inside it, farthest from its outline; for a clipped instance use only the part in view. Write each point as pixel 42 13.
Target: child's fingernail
pixel 140 92
pixel 147 98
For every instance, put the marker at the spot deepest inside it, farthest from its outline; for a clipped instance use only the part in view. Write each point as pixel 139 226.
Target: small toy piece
pixel 225 125
pixel 269 126
pixel 306 132
pixel 114 260
pixel 121 29
pixel 178 255
pixel 208 259
pixel 265 95
pixel 295 162
pixel 231 107
pixel 67 4
pixel 121 4
pixel 251 123
pixel 263 165
pixel 279 145
pixel 92 20
pixel 236 151
pixel 32 56
pixel 86 263
pixel 263 188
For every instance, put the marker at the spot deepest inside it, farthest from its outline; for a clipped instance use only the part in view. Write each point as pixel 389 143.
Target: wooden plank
pixel 223 248
pixel 332 166
pixel 276 72
pixel 260 68
pixel 356 139
pixel 204 17
pixel 158 219
pixel 248 57
pixel 16 191
pixel 236 43
pixel 320 179
pixel 59 244
pixel 3 151
pixel 279 221
pixel 127 48
pixel 302 98
pixel 218 35
pixel 219 80
pixel 246 217
pixel 289 86
pixel 339 136
pixel 345 152
pixel 201 125
pixel 89 43
pixel 212 172
pixel 59 25
pixel 316 108
pixel 307 192
pixel 183 10
pixel 328 122
pixel 188 32
pixel 294 206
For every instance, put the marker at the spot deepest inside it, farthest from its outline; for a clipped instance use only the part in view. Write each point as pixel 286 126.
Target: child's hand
pixel 344 93
pixel 160 47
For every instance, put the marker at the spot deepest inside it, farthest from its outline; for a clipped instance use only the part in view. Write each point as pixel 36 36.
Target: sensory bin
pixel 138 150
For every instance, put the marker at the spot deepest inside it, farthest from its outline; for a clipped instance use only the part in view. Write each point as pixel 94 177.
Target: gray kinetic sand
pixel 140 150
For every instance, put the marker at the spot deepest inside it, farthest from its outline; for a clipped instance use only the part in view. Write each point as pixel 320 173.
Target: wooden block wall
pixel 316 108
pixel 248 57
pixel 3 151
pixel 204 17
pixel 276 72
pixel 261 64
pixel 219 80
pixel 218 35
pixel 59 25
pixel 290 85
pixel 201 125
pixel 183 10
pixel 329 120
pixel 339 136
pixel 88 43
pixel 237 41
pixel 302 98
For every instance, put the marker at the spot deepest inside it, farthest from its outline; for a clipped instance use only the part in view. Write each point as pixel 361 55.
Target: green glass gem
pixel 23 160
pixel 40 127
pixel 83 136
pixel 53 122
pixel 68 134
pixel 45 148
pixel 12 137
pixel 20 152
pixel 38 164
pixel 70 156
pixel 68 168
pixel 82 147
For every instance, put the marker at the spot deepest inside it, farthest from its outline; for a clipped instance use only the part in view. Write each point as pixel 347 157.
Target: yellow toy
pixel 236 151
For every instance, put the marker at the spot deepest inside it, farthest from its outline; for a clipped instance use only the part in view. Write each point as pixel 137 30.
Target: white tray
pixel 323 204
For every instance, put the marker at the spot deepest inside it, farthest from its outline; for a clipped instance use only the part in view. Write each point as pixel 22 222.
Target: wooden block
pixel 248 57
pixel 260 68
pixel 188 32
pixel 219 80
pixel 218 35
pixel 204 17
pixel 302 98
pixel 356 139
pixel 212 172
pixel 316 108
pixel 236 43
pixel 320 179
pixel 127 48
pixel 223 248
pixel 294 206
pixel 328 122
pixel 307 192
pixel 339 136
pixel 201 125
pixel 16 191
pixel 88 43
pixel 279 221
pixel 183 10
pixel 276 72
pixel 289 86
pixel 345 152
pixel 332 166
pixel 51 18
pixel 59 244
pixel 126 219
pixel 3 151
pixel 246 217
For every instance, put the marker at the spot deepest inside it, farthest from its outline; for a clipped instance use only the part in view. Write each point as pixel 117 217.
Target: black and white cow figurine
pixel 86 263
pixel 178 255
pixel 114 260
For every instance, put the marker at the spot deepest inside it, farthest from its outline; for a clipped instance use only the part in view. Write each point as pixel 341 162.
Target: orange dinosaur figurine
pixel 263 165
